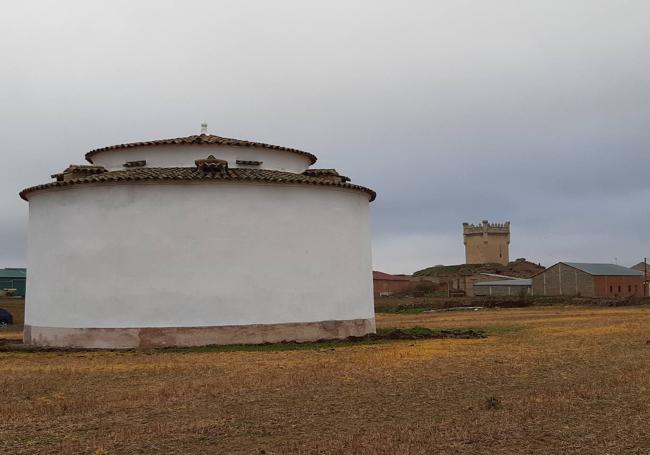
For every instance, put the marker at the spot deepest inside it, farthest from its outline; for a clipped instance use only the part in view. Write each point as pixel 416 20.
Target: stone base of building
pixel 160 337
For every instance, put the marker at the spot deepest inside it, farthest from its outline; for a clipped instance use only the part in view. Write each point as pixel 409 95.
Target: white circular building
pixel 194 241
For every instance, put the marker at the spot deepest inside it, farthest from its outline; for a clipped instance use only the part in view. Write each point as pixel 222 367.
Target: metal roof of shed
pixel 603 269
pixel 513 282
pixel 13 273
pixel 499 276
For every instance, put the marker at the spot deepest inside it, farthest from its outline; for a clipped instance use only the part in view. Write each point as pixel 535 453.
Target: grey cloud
pixel 453 111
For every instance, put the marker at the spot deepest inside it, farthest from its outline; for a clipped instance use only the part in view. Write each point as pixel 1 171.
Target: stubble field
pixel 546 381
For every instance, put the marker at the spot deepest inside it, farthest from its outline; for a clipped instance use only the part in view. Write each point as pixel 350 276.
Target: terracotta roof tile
pixel 321 171
pixel 200 139
pixel 197 174
pixel 326 173
pixel 79 170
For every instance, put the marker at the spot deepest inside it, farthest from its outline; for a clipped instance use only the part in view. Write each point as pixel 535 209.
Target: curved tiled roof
pixel 145 174
pixel 200 139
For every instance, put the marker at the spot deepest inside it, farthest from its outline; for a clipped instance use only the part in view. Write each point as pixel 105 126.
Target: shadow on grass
pixel 382 336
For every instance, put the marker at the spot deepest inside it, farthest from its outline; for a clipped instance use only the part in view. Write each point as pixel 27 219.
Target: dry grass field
pixel 547 380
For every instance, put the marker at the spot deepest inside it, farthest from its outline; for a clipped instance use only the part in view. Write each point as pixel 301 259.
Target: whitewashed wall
pixel 152 255
pixel 185 155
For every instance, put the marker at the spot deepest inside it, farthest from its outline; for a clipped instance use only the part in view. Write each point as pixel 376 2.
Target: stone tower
pixel 486 242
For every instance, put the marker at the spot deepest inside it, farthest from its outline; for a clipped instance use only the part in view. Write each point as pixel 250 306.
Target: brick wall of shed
pixel 547 282
pixel 563 280
pixel 619 286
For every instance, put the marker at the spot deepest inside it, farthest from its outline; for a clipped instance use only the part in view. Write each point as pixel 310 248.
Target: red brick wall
pixel 618 286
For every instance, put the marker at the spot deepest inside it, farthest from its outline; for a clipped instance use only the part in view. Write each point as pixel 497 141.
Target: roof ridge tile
pixel 200 139
pixel 194 174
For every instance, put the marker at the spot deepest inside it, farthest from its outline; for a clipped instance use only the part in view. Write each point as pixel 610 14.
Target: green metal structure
pixel 14 278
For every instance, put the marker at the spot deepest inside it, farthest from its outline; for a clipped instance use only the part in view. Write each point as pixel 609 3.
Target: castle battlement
pixel 486 242
pixel 486 227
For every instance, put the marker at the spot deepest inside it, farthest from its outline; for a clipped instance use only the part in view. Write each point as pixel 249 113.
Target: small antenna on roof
pixel 204 128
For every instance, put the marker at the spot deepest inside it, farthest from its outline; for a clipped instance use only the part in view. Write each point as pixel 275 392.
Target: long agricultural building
pixel 588 280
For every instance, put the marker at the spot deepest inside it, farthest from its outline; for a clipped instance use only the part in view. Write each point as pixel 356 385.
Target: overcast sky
pixel 533 111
